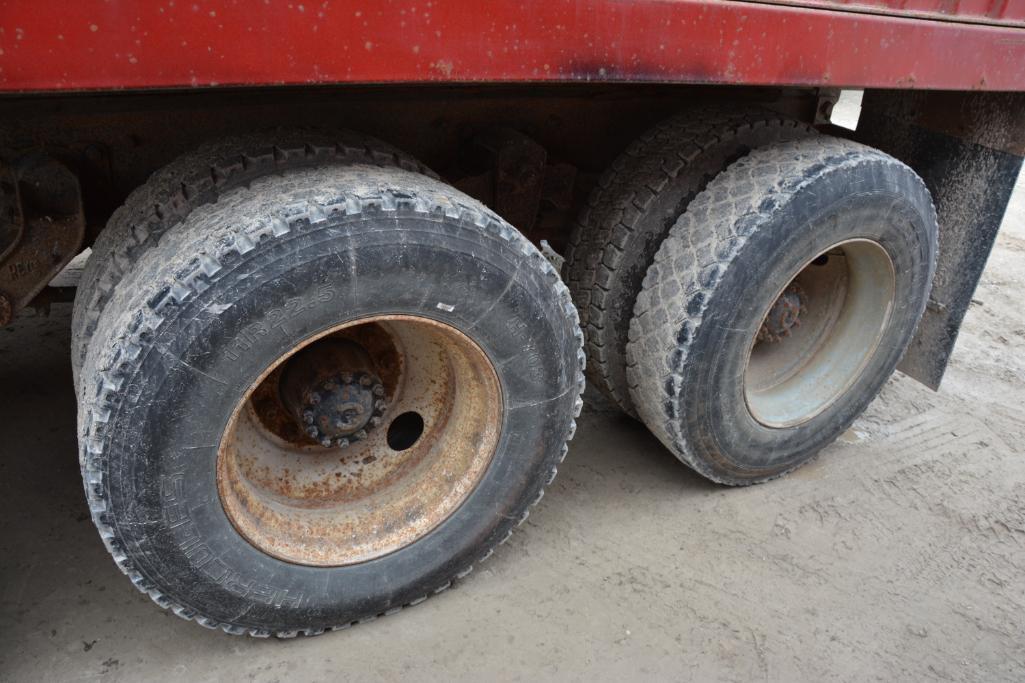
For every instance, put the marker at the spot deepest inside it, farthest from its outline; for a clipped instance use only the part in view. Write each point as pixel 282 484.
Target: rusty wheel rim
pixel 310 500
pixel 818 335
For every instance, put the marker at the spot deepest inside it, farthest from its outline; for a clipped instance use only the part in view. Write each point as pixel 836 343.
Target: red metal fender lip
pixel 49 45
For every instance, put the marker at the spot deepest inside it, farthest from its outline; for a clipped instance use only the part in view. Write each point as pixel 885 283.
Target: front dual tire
pixel 223 510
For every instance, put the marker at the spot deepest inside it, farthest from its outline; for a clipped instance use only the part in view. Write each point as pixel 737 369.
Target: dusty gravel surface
pixel 898 555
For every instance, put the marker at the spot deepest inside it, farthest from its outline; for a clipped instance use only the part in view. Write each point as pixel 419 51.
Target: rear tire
pixel 824 232
pixel 631 211
pixel 239 285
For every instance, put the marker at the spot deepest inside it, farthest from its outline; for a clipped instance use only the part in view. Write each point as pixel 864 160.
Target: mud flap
pixel 968 148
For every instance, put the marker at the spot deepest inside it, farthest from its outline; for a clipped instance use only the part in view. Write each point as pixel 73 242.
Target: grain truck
pixel 350 263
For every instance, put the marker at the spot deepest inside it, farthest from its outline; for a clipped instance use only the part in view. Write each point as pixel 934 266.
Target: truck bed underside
pixel 532 153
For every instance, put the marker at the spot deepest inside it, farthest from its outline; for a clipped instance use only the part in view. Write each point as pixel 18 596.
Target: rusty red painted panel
pixel 48 45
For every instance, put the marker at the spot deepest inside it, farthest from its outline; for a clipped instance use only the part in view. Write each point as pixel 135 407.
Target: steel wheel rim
pixel 304 503
pixel 819 334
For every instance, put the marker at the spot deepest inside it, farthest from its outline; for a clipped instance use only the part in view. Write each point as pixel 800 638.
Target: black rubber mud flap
pixel 968 148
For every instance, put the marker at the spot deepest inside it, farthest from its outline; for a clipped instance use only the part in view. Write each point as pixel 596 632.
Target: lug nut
pixel 332 388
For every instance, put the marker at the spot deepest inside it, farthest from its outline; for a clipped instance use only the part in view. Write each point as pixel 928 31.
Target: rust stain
pixel 326 507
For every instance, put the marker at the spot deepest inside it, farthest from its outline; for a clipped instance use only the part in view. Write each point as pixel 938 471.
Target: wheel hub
pixel 341 410
pixel 333 393
pixel 783 316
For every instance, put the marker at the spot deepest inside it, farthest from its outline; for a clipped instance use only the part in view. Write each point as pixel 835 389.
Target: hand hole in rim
pixel 405 431
pixel 819 333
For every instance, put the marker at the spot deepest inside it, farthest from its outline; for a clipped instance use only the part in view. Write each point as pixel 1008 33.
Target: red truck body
pixel 102 45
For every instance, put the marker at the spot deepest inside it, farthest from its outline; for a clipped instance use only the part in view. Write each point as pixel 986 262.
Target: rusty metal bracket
pixel 519 175
pixel 827 99
pixel 44 226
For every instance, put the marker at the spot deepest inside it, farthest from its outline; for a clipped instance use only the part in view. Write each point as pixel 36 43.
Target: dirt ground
pixel 898 555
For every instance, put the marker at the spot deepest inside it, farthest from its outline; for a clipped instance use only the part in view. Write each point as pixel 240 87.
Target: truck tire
pixel 197 178
pixel 631 210
pixel 779 304
pixel 325 396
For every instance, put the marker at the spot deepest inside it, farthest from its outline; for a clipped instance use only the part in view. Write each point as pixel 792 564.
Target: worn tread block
pixel 631 209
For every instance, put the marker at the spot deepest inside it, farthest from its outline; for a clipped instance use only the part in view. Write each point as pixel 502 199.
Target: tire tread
pixel 611 225
pixel 196 178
